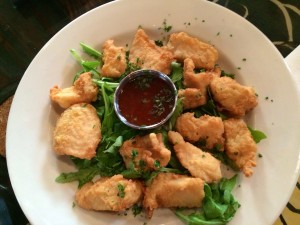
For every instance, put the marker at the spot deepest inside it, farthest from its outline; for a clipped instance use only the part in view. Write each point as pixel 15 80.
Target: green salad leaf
pixel 257 135
pixel 82 176
pixel 219 205
pixel 177 74
pixel 91 51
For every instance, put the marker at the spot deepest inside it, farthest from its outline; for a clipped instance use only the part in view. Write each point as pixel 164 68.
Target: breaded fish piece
pixel 198 80
pixel 173 190
pixel 109 194
pixel 83 90
pixel 232 96
pixel 145 152
pixel 77 132
pixel 184 46
pixel 114 59
pixel 192 98
pixel 239 145
pixel 147 55
pixel 206 129
pixel 199 163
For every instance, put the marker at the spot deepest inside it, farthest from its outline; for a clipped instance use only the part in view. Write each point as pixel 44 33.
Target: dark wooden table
pixel 26 25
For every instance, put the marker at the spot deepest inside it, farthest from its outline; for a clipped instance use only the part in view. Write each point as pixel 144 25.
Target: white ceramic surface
pixel 33 166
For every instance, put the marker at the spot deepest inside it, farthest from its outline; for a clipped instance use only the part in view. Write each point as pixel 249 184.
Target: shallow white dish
pixel 33 166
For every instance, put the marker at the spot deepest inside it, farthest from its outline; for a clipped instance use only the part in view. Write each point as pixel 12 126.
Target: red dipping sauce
pixel 146 99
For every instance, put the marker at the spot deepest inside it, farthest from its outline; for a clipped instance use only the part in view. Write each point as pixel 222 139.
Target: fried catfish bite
pixel 83 90
pixel 145 152
pixel 200 80
pixel 147 55
pixel 199 163
pixel 173 190
pixel 196 84
pixel 192 98
pixel 232 96
pixel 205 129
pixel 114 59
pixel 77 132
pixel 109 194
pixel 184 46
pixel 239 145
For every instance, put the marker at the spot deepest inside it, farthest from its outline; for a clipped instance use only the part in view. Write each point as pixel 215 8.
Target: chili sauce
pixel 146 100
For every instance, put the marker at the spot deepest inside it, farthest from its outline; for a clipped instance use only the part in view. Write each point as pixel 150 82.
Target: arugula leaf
pixel 177 74
pixel 222 156
pixel 82 176
pixel 177 112
pixel 210 108
pixel 257 135
pixel 87 66
pixel 196 219
pixel 91 51
pixel 115 146
pixel 219 205
pixel 108 117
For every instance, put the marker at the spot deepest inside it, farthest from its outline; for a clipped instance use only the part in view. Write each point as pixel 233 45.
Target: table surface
pixel 26 25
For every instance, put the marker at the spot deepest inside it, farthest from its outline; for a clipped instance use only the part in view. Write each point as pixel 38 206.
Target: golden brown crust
pixel 114 59
pixel 109 194
pixel 208 129
pixel 83 91
pixel 232 96
pixel 239 145
pixel 199 80
pixel 77 132
pixel 150 150
pixel 192 98
pixel 199 163
pixel 184 46
pixel 173 190
pixel 147 55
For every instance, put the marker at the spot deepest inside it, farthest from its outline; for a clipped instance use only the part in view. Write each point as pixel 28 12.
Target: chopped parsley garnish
pixel 134 153
pixel 143 82
pixel 225 74
pixel 159 43
pixel 156 163
pixel 165 26
pixel 159 102
pixel 121 190
pixel 137 209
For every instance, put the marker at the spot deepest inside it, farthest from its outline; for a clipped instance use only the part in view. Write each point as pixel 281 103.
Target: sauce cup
pixel 145 99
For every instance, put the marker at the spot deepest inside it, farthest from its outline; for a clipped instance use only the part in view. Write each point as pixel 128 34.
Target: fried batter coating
pixel 145 152
pixel 192 98
pixel 199 163
pixel 232 96
pixel 184 46
pixel 147 55
pixel 114 59
pixel 206 129
pixel 77 132
pixel 109 194
pixel 173 190
pixel 239 145
pixel 198 80
pixel 83 90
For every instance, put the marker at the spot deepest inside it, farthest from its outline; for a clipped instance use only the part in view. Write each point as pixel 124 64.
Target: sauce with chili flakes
pixel 146 100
